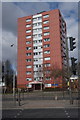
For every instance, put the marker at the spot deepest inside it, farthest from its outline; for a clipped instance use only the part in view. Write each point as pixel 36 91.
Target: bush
pixel 53 89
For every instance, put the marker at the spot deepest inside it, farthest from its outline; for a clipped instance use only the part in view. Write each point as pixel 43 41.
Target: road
pixel 39 106
pixel 41 113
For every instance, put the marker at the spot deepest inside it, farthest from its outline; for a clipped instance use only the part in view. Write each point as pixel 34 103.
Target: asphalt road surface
pixel 41 113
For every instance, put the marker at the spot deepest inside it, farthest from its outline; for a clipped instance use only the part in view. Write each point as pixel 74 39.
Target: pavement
pixel 37 106
pixel 34 103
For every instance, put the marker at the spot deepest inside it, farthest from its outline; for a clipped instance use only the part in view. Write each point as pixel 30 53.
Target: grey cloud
pixel 10 13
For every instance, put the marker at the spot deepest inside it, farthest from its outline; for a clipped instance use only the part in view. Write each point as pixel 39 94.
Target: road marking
pixel 18 114
pixel 15 116
pixel 66 113
pixel 20 111
pixel 68 116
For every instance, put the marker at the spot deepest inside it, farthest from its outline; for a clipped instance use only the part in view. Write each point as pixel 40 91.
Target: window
pixel 28 54
pixel 39 47
pixel 28 79
pixel 28 60
pixel 35 24
pixel 47 52
pixel 35 41
pixel 39 35
pixel 28 66
pixel 29 25
pixel 39 18
pixel 35 59
pixel 28 36
pixel 47 71
pixel 39 23
pixel 34 30
pixel 40 41
pixel 28 42
pixel 47 85
pixel 28 31
pixel 45 22
pixel 45 16
pixel 48 78
pixel 28 72
pixel 28 20
pixel 46 33
pixel 46 39
pixel 28 48
pixel 35 53
pixel 34 36
pixel 35 47
pixel 47 58
pixel 47 64
pixel 34 19
pixel 45 28
pixel 47 45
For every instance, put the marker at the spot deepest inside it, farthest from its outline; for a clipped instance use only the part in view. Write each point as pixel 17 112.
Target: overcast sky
pixel 11 11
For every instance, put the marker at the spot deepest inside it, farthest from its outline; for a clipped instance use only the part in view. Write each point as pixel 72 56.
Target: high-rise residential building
pixel 41 44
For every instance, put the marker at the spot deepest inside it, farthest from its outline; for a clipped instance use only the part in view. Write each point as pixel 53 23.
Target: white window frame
pixel 28 25
pixel 47 58
pixel 29 79
pixel 46 45
pixel 45 16
pixel 28 20
pixel 45 28
pixel 28 31
pixel 48 78
pixel 28 48
pixel 29 36
pixel 46 21
pixel 28 60
pixel 46 39
pixel 28 42
pixel 28 66
pixel 28 54
pixel 46 33
pixel 28 72
pixel 47 52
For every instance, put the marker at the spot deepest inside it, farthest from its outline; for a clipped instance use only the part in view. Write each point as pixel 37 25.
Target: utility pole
pixel 14 96
pixel 72 47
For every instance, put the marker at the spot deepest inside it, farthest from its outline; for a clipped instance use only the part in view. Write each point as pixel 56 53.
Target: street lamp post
pixel 14 85
pixel 14 74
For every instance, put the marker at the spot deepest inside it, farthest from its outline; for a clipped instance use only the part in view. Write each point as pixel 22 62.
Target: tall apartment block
pixel 41 42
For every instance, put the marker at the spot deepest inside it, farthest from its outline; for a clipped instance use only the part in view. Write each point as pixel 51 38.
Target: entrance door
pixel 37 87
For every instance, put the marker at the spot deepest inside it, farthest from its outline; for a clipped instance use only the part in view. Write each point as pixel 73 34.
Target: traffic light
pixel 72 43
pixel 73 65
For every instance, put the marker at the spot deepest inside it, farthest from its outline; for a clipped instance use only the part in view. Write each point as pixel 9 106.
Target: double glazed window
pixel 48 78
pixel 46 39
pixel 45 22
pixel 29 36
pixel 28 60
pixel 28 20
pixel 47 52
pixel 29 25
pixel 45 28
pixel 28 79
pixel 46 33
pixel 28 54
pixel 28 31
pixel 47 58
pixel 45 16
pixel 47 45
pixel 28 48
pixel 28 42
pixel 28 66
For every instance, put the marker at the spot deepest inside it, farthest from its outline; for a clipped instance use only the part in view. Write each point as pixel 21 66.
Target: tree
pixel 56 72
pixel 7 72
